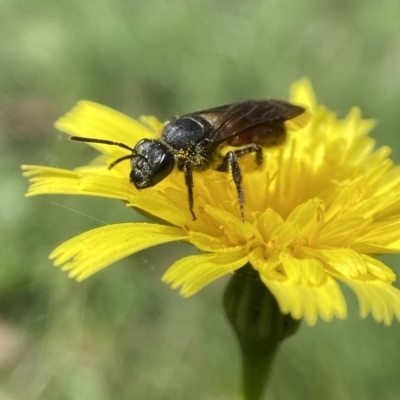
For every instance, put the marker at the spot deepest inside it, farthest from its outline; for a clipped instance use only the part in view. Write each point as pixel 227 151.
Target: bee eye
pixel 162 169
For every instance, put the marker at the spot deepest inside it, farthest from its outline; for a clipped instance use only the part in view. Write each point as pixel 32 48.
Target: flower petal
pixel 94 120
pixel 194 272
pixel 267 222
pixel 308 217
pixel 347 262
pixel 237 231
pixel 380 299
pixel 47 180
pixel 307 301
pixel 210 243
pixel 302 92
pixel 378 269
pixel 92 251
pixel 304 271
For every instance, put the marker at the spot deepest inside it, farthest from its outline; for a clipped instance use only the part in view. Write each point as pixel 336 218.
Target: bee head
pixel 151 162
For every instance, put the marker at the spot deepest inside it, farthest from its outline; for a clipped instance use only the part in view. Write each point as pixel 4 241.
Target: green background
pixel 123 334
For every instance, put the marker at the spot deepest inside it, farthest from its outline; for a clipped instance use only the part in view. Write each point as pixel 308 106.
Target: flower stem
pixel 259 326
pixel 257 365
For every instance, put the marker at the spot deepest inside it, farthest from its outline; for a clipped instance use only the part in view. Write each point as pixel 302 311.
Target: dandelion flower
pixel 317 212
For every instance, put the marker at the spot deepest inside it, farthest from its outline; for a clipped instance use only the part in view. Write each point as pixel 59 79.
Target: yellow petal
pixel 306 301
pixel 284 235
pixel 379 270
pixel 355 126
pixel 210 243
pixel 267 222
pixel 92 251
pixel 376 297
pixel 237 231
pixel 385 234
pixel 345 261
pixel 194 272
pixel 157 207
pixel 302 93
pixel 306 271
pixel 341 231
pixel 46 180
pixel 308 217
pixel 262 264
pixel 94 120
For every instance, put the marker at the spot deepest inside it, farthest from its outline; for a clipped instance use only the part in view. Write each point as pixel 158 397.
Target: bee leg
pixel 187 171
pixel 231 160
pixel 254 148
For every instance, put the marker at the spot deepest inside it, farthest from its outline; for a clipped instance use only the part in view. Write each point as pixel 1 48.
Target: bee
pixel 193 142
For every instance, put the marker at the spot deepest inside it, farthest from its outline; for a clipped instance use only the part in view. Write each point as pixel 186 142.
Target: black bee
pixel 193 142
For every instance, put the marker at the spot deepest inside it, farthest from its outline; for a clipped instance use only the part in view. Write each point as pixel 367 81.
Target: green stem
pixel 259 326
pixel 257 366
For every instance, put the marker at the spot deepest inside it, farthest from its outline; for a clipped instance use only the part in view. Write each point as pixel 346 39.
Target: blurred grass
pixel 123 334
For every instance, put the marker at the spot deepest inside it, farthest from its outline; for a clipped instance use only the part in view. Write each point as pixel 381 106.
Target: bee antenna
pixel 102 141
pixel 128 157
pixel 118 160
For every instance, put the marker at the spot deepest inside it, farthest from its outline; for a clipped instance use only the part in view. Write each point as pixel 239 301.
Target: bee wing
pixel 237 118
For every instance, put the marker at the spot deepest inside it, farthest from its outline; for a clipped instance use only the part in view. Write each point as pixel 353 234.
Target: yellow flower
pixel 317 212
